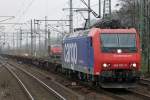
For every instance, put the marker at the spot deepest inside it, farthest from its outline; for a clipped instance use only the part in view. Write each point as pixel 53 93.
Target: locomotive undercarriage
pixel 120 75
pixel 108 79
pixel 119 78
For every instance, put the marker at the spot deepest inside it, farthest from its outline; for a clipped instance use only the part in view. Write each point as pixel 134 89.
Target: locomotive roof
pixel 132 30
pixel 86 32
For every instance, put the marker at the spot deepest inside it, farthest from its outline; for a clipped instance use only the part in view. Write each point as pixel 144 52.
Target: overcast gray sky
pixel 24 10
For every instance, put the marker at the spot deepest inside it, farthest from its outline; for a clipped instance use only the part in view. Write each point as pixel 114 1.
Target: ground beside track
pixel 10 89
pixel 86 93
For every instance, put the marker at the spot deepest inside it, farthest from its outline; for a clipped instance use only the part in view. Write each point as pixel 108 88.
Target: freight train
pixel 104 55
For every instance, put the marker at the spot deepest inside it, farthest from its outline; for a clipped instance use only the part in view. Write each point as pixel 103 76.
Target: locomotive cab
pixel 117 57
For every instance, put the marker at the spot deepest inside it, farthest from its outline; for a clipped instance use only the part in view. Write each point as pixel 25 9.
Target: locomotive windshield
pixel 112 42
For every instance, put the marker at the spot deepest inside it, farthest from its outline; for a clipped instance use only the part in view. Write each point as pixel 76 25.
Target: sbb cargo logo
pixel 70 54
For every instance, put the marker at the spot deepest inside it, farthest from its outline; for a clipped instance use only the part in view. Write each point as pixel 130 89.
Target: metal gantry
pixel 107 9
pixel 71 17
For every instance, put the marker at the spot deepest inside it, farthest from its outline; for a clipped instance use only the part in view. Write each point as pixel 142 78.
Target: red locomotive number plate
pixel 120 65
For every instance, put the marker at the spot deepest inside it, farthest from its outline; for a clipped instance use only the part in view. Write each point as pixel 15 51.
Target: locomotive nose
pixel 120 61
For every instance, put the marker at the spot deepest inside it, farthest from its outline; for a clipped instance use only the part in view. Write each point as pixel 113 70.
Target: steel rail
pixel 57 83
pixel 145 96
pixel 145 81
pixel 20 82
pixel 42 83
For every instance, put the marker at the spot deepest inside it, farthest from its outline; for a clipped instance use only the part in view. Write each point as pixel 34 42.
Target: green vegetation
pixel 135 13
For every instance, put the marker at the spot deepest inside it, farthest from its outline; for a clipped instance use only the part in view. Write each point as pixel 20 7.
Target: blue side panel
pixel 78 54
pixel 82 52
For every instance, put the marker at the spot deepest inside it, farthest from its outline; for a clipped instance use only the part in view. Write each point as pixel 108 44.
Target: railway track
pixel 131 95
pixel 88 93
pixel 21 83
pixel 10 87
pixel 139 94
pixel 117 95
pixel 145 82
pixel 50 80
pixel 123 94
pixel 127 94
pixel 34 87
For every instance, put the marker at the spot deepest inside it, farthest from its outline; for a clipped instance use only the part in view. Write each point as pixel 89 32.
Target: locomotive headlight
pixel 104 65
pixel 119 51
pixel 134 65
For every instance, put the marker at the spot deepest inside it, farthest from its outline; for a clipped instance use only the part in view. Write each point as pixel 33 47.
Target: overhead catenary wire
pixel 90 10
pixel 20 9
pixel 9 18
pixel 24 11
